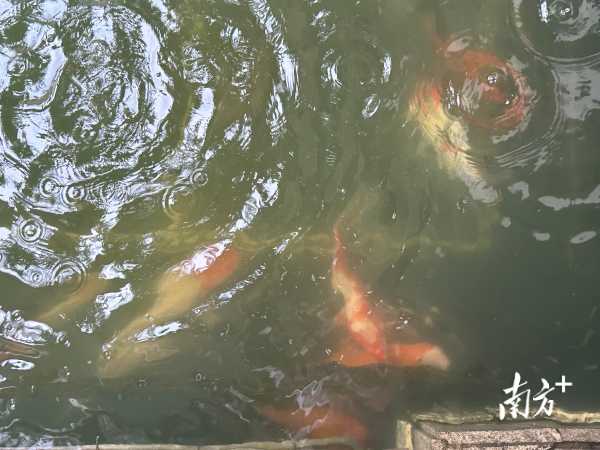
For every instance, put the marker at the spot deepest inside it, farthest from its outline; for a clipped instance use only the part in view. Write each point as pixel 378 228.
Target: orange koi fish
pixel 478 91
pixel 469 89
pixel 488 92
pixel 367 344
pixel 413 354
pixel 363 324
pixel 483 89
pixel 320 422
pixel 475 88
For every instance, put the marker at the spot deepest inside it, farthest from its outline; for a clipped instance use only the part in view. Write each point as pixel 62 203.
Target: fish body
pixel 471 89
pixel 363 323
pixel 319 422
pixel 467 89
pixel 181 286
pixel 366 343
pixel 414 354
pixel 178 290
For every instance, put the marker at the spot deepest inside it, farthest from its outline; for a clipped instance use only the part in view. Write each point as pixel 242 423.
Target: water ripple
pixel 136 135
pixel 68 273
pixel 15 328
pixel 273 29
pixel 174 201
pixel 565 31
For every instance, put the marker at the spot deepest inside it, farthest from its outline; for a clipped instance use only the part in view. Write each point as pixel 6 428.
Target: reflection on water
pixel 227 221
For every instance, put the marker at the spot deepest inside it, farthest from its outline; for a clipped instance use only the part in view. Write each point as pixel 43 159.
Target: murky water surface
pixel 175 174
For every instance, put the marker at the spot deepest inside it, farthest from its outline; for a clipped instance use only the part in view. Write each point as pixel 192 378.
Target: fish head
pixel 469 102
pixel 484 90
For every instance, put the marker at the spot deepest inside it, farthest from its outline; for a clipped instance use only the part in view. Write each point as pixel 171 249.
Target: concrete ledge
pixel 495 435
pixel 304 444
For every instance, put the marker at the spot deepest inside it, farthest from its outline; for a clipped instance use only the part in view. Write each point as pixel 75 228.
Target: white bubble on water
pixel 584 236
pixel 541 236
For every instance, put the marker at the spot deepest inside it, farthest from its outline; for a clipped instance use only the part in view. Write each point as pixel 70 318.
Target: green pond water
pixel 139 139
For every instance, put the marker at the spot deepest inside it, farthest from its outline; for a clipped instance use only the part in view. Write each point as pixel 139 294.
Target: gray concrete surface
pixel 304 444
pixel 581 431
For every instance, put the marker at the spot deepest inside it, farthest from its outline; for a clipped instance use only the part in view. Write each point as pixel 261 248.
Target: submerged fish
pixel 178 290
pixel 366 343
pixel 10 349
pixel 364 326
pixel 398 354
pixel 65 309
pixel 470 90
pixel 319 422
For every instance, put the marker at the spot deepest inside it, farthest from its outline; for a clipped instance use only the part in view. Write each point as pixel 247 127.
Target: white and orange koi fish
pixel 469 89
pixel 366 343
pixel 177 291
pixel 363 324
